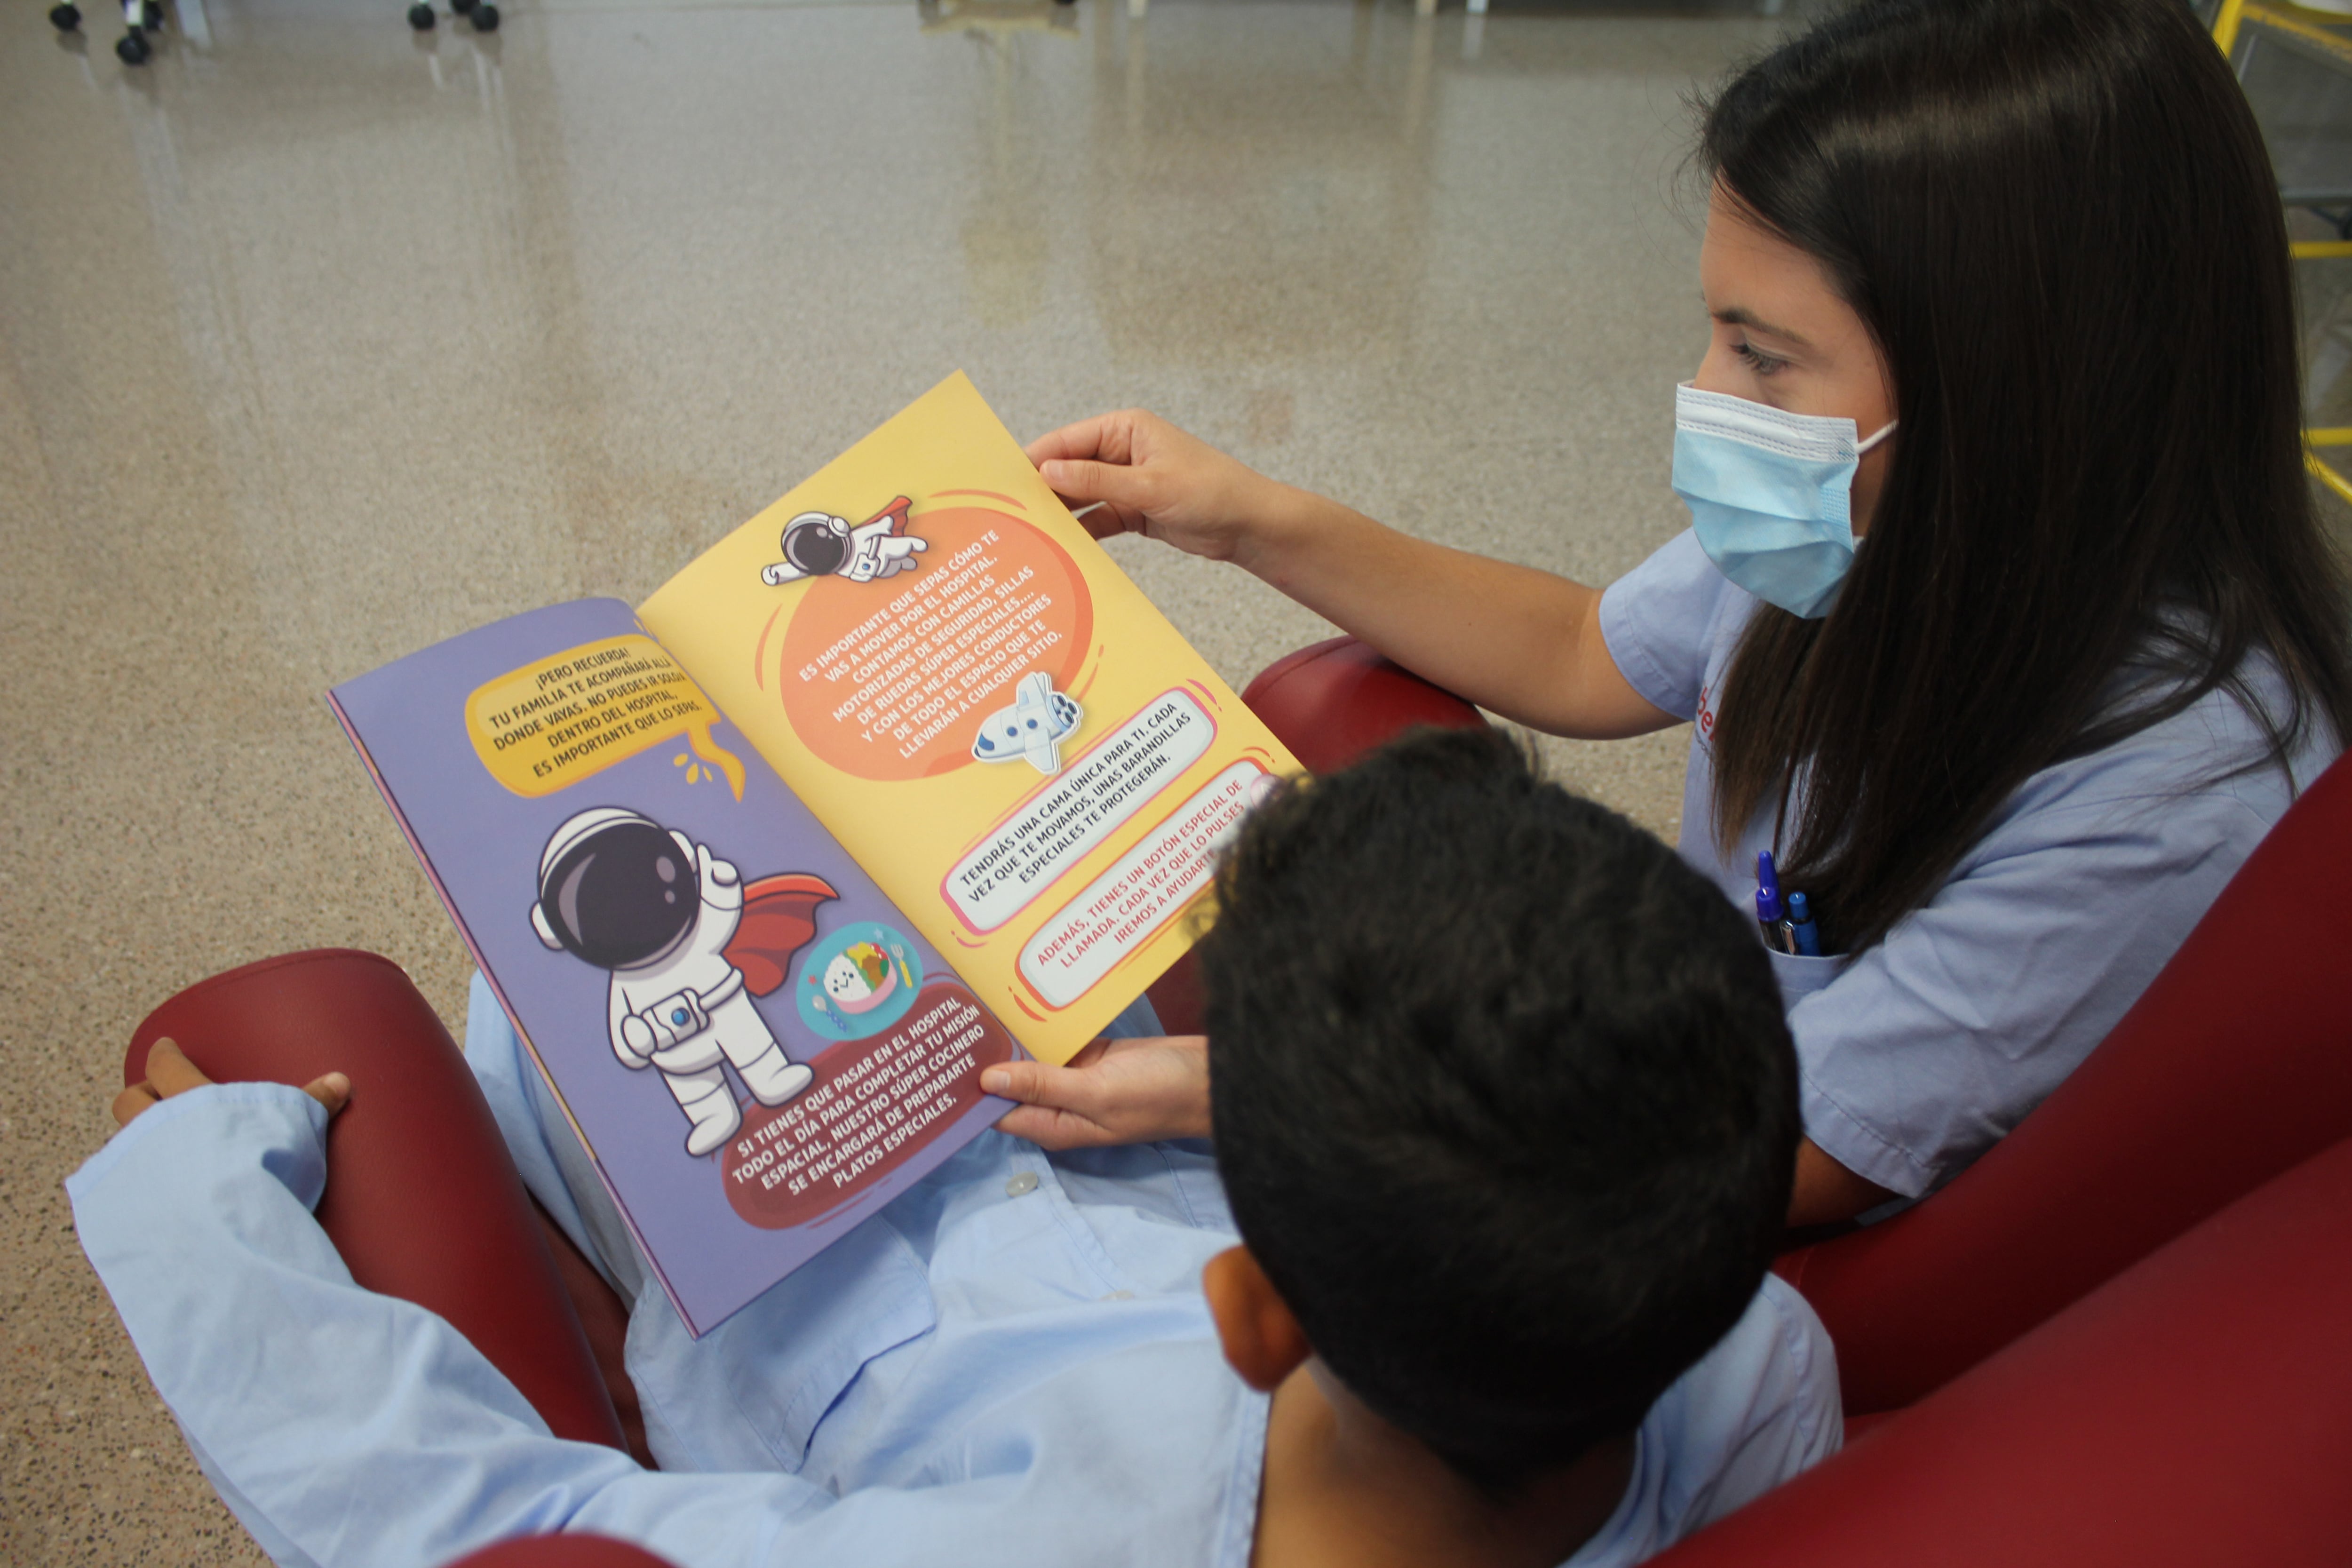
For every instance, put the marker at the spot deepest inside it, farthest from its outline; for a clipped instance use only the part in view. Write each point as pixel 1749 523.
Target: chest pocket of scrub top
pixel 1799 976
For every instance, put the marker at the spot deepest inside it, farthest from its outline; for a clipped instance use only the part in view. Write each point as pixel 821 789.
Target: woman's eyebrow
pixel 1739 317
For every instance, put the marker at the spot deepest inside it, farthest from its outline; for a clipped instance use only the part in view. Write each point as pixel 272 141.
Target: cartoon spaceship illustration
pixel 1032 728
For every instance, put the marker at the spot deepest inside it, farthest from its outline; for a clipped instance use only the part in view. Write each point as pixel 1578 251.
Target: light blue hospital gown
pixel 1919 1053
pixel 1011 1364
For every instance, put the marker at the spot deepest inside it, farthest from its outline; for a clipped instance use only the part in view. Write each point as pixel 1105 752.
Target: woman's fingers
pixel 1113 1091
pixel 1097 463
pixel 1123 489
pixel 1110 437
pixel 1054 1130
pixel 1068 1087
pixel 1058 1105
pixel 1147 477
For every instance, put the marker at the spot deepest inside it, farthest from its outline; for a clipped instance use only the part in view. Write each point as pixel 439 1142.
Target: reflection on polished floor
pixel 320 341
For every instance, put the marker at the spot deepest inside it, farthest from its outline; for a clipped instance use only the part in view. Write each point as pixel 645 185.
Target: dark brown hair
pixel 2057 219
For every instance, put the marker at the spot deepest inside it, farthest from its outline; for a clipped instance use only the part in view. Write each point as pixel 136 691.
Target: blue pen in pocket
pixel 1802 930
pixel 1767 906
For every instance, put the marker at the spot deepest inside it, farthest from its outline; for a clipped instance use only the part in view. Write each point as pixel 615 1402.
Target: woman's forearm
pixel 1518 642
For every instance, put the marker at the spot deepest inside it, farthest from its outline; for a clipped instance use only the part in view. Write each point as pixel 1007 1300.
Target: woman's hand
pixel 1113 1091
pixel 170 1072
pixel 1153 479
pixel 1518 642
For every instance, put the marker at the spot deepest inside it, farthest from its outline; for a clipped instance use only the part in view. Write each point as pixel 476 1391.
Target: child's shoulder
pixel 1756 1410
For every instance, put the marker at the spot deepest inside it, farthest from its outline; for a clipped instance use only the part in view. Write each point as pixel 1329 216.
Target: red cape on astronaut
pixel 779 919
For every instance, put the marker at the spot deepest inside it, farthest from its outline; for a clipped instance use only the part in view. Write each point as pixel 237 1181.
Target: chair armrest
pixel 2196 1408
pixel 1333 701
pixel 422 1199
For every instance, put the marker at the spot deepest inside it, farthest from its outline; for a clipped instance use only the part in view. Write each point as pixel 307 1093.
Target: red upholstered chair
pixel 2235 1065
pixel 1333 701
pixel 1330 703
pixel 2195 1409
pixel 421 1199
pixel 561 1551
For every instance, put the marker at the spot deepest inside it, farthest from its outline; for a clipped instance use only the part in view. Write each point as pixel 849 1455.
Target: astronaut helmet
pixel 816 543
pixel 616 888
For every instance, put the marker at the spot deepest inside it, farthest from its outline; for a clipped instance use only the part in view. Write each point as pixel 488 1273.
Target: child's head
pixel 1503 1097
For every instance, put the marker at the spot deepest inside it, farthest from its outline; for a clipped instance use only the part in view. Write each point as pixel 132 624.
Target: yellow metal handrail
pixel 2292 18
pixel 2287 19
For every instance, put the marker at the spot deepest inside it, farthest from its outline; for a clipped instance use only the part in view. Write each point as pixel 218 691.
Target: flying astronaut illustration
pixel 688 946
pixel 1032 729
pixel 818 544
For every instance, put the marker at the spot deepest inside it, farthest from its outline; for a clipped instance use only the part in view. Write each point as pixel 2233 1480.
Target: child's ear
pixel 1263 1341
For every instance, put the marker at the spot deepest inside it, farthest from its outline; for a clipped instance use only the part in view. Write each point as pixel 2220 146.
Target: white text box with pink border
pixel 1153 881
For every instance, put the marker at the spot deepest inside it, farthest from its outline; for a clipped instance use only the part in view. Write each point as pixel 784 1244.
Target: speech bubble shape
pixel 1060 821
pixel 874 1105
pixel 559 719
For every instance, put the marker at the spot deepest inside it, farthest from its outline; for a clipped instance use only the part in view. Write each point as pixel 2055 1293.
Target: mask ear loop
pixel 1883 432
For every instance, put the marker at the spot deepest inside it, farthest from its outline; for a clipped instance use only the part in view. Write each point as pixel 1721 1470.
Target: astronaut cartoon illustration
pixel 1031 728
pixel 688 946
pixel 819 545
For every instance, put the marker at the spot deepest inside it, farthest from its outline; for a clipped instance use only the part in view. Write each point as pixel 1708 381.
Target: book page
pixel 756 1048
pixel 975 699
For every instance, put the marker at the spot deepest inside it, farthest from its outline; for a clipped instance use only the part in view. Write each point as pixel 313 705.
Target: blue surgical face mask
pixel 1771 494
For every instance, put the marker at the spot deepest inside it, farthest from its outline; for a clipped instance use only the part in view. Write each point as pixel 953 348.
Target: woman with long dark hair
pixel 2005 619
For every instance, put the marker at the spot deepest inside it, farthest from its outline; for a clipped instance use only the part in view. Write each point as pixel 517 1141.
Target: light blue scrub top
pixel 1919 1053
pixel 1012 1363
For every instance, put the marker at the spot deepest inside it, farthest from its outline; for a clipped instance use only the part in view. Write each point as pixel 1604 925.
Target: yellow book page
pixel 973 697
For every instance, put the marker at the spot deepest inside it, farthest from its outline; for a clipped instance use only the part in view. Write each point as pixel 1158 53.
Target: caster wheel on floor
pixel 420 16
pixel 65 18
pixel 485 16
pixel 131 48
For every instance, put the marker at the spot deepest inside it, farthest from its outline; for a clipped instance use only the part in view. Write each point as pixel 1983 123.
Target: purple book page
pixel 755 1045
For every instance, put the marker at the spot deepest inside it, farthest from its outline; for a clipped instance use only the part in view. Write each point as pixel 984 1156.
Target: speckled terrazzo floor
pixel 319 343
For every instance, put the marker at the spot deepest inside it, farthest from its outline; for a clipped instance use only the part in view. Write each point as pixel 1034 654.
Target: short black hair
pixel 1504 1099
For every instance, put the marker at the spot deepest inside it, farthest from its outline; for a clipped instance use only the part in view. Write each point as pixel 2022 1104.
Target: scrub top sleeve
pixel 1927 1048
pixel 1772 1411
pixel 1658 621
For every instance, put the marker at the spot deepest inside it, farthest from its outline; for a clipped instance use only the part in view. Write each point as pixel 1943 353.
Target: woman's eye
pixel 1758 361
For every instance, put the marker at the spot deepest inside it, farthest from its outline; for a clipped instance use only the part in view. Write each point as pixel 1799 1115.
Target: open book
pixel 900 777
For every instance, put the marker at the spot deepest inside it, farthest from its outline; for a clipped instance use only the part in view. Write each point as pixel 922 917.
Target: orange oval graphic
pixel 891 679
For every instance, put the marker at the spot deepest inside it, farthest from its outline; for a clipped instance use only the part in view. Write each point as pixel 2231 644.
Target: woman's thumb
pixel 1031 1083
pixel 1083 480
